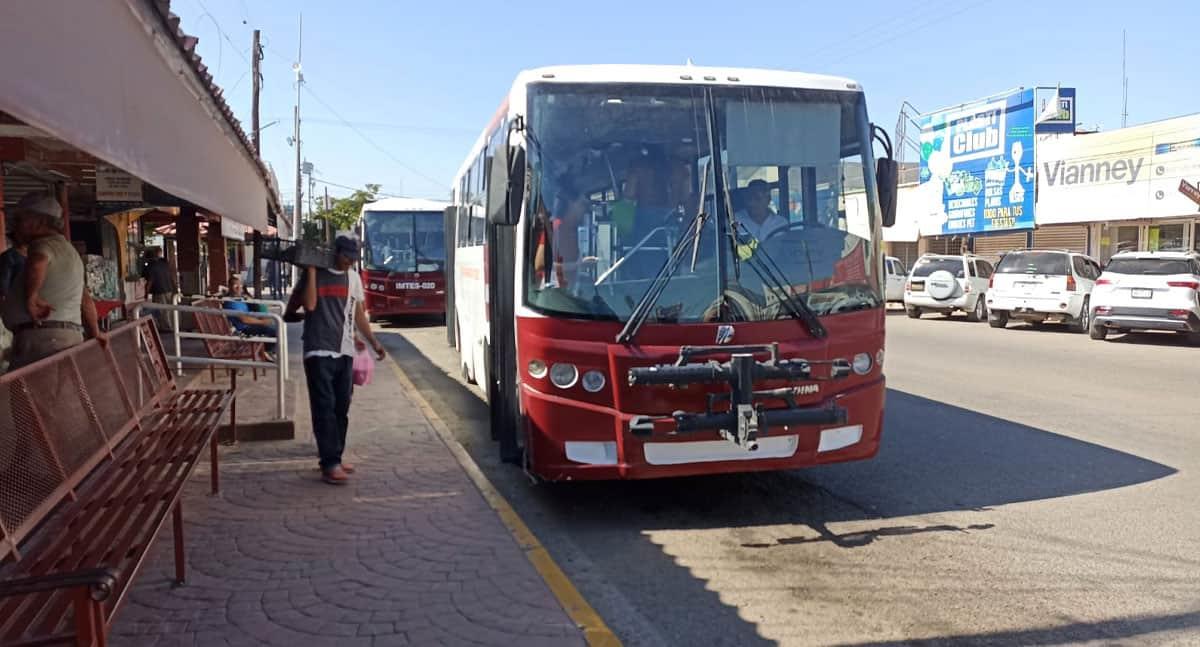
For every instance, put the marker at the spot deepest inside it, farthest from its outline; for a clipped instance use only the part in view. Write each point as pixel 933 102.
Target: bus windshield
pixel 403 241
pixel 622 172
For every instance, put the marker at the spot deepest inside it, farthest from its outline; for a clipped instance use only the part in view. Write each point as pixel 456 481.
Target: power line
pixel 221 31
pixel 861 34
pixel 372 142
pixel 907 32
pixel 351 188
pixel 392 126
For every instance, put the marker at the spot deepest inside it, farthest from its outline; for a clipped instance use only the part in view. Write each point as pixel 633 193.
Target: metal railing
pixel 181 360
pixel 279 306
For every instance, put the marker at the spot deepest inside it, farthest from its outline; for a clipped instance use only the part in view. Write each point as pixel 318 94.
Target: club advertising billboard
pixel 977 166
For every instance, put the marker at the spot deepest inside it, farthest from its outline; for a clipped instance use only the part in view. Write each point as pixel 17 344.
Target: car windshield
pixel 1154 266
pixel 927 266
pixel 620 172
pixel 1034 263
pixel 404 241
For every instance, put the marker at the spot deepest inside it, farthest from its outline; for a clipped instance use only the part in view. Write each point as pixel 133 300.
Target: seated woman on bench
pixel 248 324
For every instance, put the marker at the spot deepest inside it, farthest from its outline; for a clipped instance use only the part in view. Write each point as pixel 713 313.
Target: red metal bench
pixel 214 324
pixel 96 445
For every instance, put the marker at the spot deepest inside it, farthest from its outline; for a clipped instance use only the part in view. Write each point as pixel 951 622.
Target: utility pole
pixel 256 76
pixel 256 88
pixel 297 215
pixel 1124 85
pixel 329 233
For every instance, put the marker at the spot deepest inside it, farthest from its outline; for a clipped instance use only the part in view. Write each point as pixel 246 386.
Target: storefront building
pixel 1130 189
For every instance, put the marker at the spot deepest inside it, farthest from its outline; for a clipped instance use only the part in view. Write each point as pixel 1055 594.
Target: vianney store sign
pixel 1137 172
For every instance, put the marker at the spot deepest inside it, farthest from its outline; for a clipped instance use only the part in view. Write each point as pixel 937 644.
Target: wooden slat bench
pixel 214 324
pixel 96 445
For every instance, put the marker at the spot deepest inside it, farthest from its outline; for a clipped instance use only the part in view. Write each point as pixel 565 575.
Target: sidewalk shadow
pixel 935 457
pixel 1106 631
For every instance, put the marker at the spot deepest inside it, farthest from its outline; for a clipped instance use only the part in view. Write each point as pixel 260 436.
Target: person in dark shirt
pixel 249 324
pixel 160 285
pixel 332 300
pixel 11 263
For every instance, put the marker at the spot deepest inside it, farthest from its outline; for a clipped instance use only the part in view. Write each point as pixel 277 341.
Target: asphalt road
pixel 1034 487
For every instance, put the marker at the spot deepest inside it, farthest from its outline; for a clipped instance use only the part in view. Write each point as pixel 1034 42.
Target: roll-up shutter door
pixel 906 252
pixel 994 245
pixel 945 245
pixel 1069 237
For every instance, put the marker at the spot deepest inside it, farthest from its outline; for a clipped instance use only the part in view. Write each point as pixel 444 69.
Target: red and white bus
pixel 404 257
pixel 662 271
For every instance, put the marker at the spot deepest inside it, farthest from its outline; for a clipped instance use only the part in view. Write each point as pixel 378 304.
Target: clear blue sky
pixel 419 79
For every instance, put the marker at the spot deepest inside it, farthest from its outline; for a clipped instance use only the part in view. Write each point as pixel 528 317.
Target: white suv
pixel 1042 285
pixel 945 284
pixel 896 275
pixel 1148 291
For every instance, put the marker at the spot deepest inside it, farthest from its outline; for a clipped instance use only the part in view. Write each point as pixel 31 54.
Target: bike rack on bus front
pixel 745 419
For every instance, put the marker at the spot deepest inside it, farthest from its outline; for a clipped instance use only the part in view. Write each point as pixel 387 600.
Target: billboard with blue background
pixel 977 166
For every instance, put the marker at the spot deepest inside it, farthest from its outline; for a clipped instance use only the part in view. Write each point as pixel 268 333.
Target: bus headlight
pixel 537 369
pixel 593 381
pixel 564 376
pixel 862 363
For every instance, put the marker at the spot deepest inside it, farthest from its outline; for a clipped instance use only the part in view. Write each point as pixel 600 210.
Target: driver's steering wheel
pixel 799 225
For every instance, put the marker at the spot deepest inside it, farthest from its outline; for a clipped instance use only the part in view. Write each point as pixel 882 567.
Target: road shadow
pixel 1045 328
pixel 935 458
pixel 1104 632
pixel 1164 339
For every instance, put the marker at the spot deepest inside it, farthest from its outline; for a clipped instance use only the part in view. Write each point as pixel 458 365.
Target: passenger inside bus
pixel 562 245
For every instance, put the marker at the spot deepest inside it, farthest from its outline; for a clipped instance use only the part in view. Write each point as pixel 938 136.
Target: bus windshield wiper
pixel 642 310
pixel 768 272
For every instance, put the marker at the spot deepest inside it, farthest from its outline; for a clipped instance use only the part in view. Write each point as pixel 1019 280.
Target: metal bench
pixel 96 445
pixel 214 324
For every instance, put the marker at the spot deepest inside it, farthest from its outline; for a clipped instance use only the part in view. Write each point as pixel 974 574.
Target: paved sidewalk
pixel 408 554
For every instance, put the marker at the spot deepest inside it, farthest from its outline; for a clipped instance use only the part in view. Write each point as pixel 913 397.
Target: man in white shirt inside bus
pixel 758 220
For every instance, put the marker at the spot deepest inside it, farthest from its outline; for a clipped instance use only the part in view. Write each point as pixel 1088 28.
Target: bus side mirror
pixel 506 186
pixel 517 176
pixel 887 176
pixel 498 190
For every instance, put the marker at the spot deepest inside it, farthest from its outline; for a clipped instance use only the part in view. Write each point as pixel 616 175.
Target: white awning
pixel 106 77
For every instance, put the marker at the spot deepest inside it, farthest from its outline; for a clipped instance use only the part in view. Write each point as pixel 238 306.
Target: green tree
pixel 344 212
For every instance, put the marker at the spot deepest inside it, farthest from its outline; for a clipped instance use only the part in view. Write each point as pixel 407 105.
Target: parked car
pixel 1041 286
pixel 896 276
pixel 1148 291
pixel 948 284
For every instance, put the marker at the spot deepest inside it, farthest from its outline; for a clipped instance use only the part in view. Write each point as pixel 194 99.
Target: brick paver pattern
pixel 408 554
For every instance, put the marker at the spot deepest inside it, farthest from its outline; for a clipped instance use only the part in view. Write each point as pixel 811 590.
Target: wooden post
pixel 256 270
pixel 218 264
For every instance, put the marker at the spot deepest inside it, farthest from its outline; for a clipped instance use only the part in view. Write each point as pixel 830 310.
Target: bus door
pixel 500 257
pixel 450 238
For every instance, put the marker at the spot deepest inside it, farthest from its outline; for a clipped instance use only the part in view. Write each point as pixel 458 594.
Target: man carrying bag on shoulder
pixel 332 300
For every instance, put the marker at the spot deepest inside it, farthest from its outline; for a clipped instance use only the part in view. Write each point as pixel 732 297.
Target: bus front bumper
pixel 385 305
pixel 572 440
